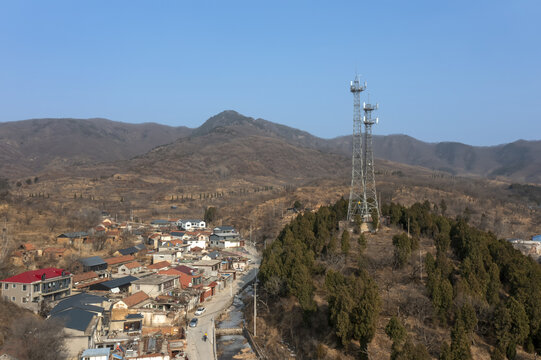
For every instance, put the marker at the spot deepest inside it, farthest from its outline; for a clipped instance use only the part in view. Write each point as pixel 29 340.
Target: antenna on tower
pixel 369 174
pixel 362 197
pixel 357 196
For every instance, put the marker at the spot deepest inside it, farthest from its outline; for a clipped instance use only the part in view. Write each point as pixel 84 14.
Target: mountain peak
pixel 224 119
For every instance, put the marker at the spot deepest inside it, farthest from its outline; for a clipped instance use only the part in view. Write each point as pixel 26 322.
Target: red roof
pixel 186 270
pixel 85 276
pixel 29 277
pixel 159 265
pixel 119 259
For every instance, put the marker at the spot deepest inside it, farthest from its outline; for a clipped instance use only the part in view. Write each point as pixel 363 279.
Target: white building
pixel 191 224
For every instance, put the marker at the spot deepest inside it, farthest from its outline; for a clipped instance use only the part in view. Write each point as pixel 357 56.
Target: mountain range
pixel 231 143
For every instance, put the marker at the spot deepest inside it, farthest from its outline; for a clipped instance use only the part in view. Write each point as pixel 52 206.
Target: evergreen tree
pixel 345 242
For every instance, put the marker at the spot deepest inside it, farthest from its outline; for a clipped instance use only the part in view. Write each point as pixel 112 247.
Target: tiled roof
pixel 186 270
pixel 169 272
pixel 159 265
pixel 84 276
pixel 54 250
pixel 135 299
pixel 29 277
pixel 28 247
pixel 132 265
pixel 92 261
pixel 119 259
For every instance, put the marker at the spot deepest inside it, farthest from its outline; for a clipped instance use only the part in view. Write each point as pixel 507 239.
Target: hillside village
pixel 136 302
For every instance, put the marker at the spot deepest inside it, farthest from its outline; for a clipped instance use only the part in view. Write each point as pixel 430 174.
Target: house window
pixel 6 286
pixel 24 287
pixel 36 287
pixel 25 300
pixel 13 298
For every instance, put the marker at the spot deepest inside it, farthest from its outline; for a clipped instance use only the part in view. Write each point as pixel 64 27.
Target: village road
pixel 205 350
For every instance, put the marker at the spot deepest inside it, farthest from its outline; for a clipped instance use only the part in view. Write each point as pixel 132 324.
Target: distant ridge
pixel 31 146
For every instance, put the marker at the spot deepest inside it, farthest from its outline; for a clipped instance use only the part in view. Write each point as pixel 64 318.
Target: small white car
pixel 200 311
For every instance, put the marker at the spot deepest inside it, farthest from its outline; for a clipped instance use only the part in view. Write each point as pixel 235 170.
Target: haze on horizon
pixel 459 71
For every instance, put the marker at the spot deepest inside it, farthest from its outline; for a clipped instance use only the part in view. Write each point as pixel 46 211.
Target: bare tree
pixel 32 338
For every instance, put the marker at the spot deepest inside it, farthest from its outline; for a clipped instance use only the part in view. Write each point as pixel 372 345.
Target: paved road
pixel 204 350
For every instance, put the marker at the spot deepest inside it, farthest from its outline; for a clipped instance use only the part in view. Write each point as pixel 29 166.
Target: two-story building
pixel 191 224
pixel 189 277
pixel 156 284
pixel 30 288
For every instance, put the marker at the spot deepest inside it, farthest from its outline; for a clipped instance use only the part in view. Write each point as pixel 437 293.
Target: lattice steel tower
pixel 369 176
pixel 357 195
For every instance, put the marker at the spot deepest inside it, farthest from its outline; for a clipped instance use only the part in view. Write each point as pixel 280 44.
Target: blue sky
pixel 465 71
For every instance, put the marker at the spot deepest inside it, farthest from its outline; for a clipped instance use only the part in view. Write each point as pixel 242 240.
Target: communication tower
pixel 369 176
pixel 357 196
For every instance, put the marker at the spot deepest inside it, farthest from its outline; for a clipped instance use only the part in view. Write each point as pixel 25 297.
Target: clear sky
pixel 467 71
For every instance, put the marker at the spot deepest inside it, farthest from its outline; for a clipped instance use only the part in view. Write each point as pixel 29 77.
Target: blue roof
pixel 83 301
pixel 134 316
pixel 73 235
pixel 111 284
pixel 92 261
pixel 76 319
pixel 159 221
pixel 97 352
pixel 128 251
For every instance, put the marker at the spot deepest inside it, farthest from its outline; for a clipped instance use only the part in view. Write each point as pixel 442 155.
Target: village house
pixel 156 284
pixel 197 239
pixel 210 267
pixel 70 237
pixel 30 288
pixel 225 237
pixel 83 319
pixel 160 224
pixel 122 284
pixel 132 250
pixel 115 262
pixel 161 265
pixel 85 278
pixel 93 263
pixel 170 256
pixel 55 253
pixel 130 268
pixel 191 224
pixel 124 316
pixel 189 277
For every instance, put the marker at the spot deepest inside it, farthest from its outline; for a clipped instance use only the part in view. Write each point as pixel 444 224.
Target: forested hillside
pixel 485 296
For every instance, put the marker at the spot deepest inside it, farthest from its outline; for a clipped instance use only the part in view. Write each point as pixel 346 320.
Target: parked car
pixel 193 322
pixel 200 311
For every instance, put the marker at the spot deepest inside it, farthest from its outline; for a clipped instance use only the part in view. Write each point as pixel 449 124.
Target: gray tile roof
pixel 83 301
pixel 76 319
pixel 92 261
pixel 111 284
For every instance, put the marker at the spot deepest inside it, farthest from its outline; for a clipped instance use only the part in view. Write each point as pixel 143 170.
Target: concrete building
pixel 156 284
pixel 30 288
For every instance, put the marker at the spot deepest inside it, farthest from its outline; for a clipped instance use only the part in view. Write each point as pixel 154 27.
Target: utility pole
pixel 255 307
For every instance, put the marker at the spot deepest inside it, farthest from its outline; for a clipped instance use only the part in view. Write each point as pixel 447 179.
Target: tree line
pixel 477 283
pixel 298 254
